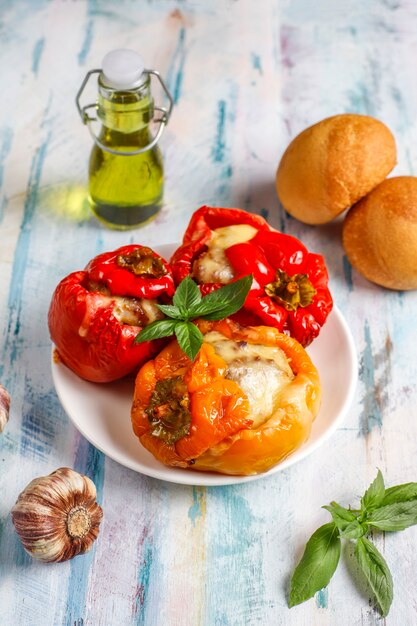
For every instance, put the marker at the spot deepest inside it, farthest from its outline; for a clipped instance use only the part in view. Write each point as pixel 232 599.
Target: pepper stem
pixel 168 410
pixel 78 522
pixel 291 291
pixel 142 262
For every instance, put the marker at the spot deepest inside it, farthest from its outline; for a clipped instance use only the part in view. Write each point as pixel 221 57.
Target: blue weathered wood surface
pixel 246 78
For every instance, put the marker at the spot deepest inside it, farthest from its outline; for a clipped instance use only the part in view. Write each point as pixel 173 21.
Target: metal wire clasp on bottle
pixel 88 120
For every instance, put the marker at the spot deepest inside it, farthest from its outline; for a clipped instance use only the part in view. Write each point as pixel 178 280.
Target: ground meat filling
pixel 127 310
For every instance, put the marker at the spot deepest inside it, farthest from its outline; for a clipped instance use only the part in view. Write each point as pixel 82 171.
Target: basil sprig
pixel 188 304
pixel 318 564
pixel 382 509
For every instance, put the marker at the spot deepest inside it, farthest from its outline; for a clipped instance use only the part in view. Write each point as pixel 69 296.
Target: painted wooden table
pixel 246 78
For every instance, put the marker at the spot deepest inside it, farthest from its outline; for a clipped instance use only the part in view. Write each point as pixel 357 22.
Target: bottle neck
pixel 127 111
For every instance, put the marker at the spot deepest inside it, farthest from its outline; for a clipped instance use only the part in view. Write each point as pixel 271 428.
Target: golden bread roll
pixel 331 165
pixel 380 234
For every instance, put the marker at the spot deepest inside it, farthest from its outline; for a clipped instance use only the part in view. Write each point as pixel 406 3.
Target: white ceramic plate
pixel 101 412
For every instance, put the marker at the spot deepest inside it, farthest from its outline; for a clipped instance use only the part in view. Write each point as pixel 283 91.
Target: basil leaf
pixel 156 330
pixel 224 301
pixel 400 493
pixel 317 564
pixel 170 310
pixel 342 517
pixel 373 496
pixel 354 530
pixel 189 338
pixel 392 517
pixel 186 296
pixel 188 304
pixel 376 571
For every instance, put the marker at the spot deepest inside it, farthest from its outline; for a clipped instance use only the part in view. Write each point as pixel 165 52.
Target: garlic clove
pixel 57 516
pixel 4 407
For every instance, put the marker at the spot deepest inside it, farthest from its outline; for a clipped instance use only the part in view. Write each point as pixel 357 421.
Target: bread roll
pixel 380 234
pixel 331 165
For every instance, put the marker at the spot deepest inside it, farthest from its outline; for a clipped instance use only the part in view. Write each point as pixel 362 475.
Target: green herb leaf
pixel 317 564
pixel 392 517
pixel 186 296
pixel 354 530
pixel 342 517
pixel 224 301
pixel 374 495
pixel 170 310
pixel 156 330
pixel 189 338
pixel 376 572
pixel 400 493
pixel 188 305
pixel 389 509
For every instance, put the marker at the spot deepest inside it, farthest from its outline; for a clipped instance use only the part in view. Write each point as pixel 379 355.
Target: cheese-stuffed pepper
pixel 245 403
pixel 290 284
pixel 96 314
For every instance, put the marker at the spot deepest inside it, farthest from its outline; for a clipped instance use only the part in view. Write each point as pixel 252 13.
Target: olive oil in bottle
pixel 126 167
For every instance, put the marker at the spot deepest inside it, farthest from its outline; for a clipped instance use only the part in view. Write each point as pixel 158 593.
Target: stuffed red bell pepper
pixel 290 284
pixel 95 314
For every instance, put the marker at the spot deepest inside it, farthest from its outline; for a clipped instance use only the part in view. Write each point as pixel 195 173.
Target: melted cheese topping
pixel 151 310
pixel 213 266
pixel 262 372
pixel 135 311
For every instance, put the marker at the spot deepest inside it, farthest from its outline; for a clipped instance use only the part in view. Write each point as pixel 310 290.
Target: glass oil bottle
pixel 126 167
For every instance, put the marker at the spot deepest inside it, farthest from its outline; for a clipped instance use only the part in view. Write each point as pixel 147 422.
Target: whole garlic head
pixel 4 407
pixel 57 516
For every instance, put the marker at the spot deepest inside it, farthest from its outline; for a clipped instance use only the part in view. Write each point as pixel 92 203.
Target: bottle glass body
pixel 125 191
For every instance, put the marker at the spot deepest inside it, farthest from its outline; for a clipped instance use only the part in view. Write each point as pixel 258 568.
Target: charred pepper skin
pixel 90 340
pixel 290 287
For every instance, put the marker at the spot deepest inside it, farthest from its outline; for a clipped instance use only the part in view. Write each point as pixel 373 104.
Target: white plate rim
pixel 197 478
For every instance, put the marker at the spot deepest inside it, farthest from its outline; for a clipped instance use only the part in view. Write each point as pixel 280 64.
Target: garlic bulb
pixel 4 407
pixel 57 516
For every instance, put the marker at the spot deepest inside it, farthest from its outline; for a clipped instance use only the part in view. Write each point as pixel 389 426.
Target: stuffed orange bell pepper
pixel 245 403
